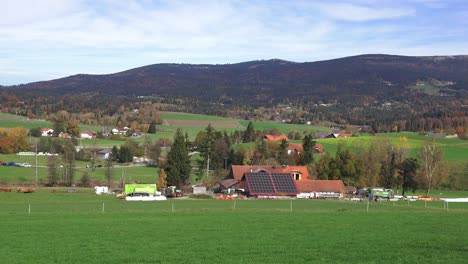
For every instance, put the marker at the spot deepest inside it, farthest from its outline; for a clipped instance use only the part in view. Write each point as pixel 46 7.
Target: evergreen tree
pixel 152 128
pixel 125 154
pixel 283 158
pixel 249 134
pixel 308 148
pixel 178 163
pixel 114 155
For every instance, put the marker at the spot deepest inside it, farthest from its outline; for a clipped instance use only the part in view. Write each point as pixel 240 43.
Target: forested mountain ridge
pixel 274 80
pixel 387 92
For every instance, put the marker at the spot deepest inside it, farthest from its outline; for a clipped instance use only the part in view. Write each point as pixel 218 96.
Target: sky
pixel 49 39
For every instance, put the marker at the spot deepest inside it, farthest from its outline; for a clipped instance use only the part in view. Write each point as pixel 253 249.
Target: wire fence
pixel 116 206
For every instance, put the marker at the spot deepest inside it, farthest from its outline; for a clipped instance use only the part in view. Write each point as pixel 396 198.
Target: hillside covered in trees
pixel 389 93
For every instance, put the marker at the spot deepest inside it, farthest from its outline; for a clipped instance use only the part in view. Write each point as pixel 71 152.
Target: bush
pixel 200 196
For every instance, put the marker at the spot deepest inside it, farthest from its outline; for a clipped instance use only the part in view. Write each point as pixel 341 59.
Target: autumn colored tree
pixel 430 157
pixel 162 179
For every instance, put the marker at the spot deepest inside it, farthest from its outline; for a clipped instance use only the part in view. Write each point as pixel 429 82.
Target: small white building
pixel 199 189
pixel 47 132
pixel 87 135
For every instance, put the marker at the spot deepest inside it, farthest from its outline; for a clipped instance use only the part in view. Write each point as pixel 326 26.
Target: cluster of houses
pixel 89 134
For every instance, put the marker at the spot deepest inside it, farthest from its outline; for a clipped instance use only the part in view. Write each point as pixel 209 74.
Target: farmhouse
pixel 240 175
pixel 88 134
pixel 120 130
pixel 64 135
pixel 339 135
pixel 47 132
pixel 275 138
pixel 335 186
pixel 296 148
pixel 298 172
pixel 103 153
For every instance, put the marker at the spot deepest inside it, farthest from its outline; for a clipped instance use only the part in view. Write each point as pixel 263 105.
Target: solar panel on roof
pixel 260 183
pixel 284 183
pixel 270 184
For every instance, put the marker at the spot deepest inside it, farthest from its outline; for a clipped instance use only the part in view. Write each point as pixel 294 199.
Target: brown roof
pixel 321 186
pixel 237 171
pixel 227 183
pixel 295 146
pixel 319 147
pixel 275 138
pixel 298 147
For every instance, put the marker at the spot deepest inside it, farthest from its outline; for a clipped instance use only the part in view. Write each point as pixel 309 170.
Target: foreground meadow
pixel 81 227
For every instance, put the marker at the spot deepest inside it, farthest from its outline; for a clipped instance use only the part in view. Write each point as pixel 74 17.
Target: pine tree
pixel 178 162
pixel 249 134
pixel 308 145
pixel 152 128
pixel 283 157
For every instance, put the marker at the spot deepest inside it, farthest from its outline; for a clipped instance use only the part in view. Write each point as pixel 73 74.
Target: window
pixel 296 176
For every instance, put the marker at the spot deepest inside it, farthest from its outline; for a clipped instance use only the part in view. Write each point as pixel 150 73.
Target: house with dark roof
pixel 298 172
pixel 300 175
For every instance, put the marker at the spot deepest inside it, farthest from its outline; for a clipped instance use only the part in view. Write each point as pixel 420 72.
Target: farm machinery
pixel 142 192
pixel 172 192
pixel 380 193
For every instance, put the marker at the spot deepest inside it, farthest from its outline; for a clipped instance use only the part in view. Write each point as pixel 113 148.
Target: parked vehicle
pixel 172 192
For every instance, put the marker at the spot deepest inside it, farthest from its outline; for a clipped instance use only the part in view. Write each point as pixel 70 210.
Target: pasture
pixel 45 227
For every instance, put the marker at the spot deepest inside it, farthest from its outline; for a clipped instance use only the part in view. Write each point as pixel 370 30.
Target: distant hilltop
pixel 271 80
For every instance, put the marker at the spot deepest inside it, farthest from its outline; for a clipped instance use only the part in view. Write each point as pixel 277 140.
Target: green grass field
pixel 45 227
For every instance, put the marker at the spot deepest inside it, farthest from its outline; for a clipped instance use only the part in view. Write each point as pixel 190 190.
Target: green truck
pixel 380 193
pixel 142 189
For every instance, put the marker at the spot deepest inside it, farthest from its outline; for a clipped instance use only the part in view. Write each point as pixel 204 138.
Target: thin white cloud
pixel 361 13
pixel 60 37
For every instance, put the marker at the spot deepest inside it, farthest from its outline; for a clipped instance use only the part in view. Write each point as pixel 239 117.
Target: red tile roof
pixel 237 171
pixel 319 147
pixel 275 138
pixel 321 186
pixel 295 146
pixel 298 147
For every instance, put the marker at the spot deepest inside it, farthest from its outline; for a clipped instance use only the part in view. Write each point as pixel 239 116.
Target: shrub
pixel 200 196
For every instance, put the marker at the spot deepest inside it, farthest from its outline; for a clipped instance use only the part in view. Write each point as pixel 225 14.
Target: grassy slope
pixel 455 149
pixel 77 230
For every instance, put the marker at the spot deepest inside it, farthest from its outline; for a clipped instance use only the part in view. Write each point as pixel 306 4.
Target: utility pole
pixel 36 163
pixel 208 165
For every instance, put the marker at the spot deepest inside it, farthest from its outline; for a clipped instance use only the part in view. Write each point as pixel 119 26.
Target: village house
pixel 275 138
pixel 300 175
pixel 47 132
pixel 64 135
pixel 120 131
pixel 88 134
pixel 296 148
